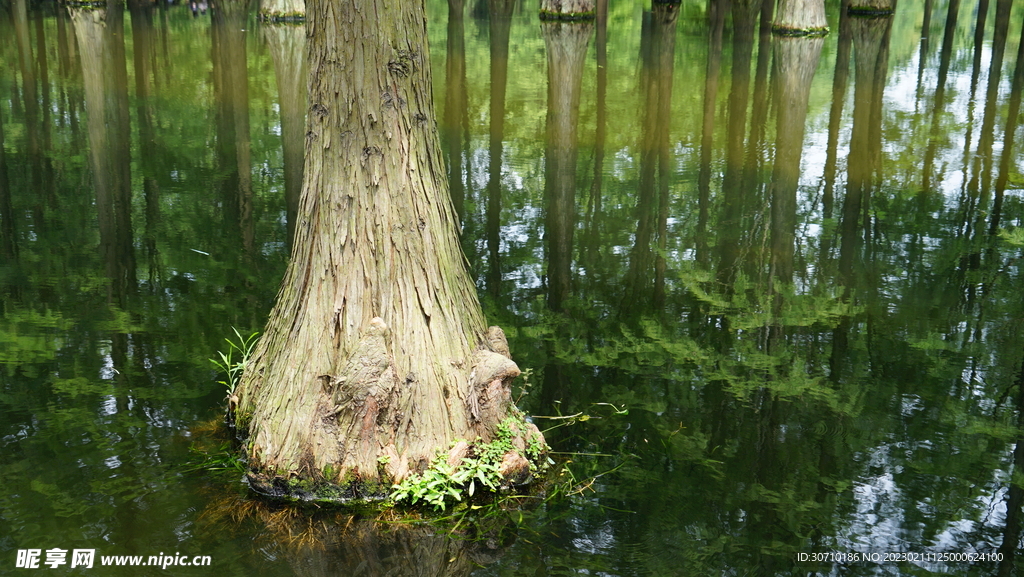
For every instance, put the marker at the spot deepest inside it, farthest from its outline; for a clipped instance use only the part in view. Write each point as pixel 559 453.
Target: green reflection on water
pixel 817 338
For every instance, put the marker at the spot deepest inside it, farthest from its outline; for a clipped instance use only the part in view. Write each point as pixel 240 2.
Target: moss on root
pixel 869 12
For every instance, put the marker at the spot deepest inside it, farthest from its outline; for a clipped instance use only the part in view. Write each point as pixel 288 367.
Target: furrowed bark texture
pixel 376 353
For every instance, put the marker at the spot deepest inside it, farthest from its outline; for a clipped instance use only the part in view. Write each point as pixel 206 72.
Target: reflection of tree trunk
pixel 795 62
pixel 871 44
pixel 1012 115
pixel 945 56
pixel 717 12
pixel 566 46
pixel 144 55
pixel 734 197
pixel 30 101
pixel 365 550
pixel 593 213
pixel 70 67
pixel 46 122
pixel 752 178
pixel 840 79
pixel 8 243
pixel 1015 494
pixel 980 185
pixel 455 104
pixel 652 206
pixel 231 87
pixel 100 35
pixel 500 25
pixel 922 57
pixel 287 45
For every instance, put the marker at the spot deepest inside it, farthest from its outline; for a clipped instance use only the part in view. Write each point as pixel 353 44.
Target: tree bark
pixel 376 354
pixel 567 9
pixel 800 18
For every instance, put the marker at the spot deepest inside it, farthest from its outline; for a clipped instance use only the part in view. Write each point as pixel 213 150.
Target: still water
pixel 776 282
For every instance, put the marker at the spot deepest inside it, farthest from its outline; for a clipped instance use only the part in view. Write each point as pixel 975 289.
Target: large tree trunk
pixel 376 354
pixel 800 18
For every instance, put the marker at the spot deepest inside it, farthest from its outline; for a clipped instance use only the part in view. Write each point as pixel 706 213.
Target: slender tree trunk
pixel 800 18
pixel 376 354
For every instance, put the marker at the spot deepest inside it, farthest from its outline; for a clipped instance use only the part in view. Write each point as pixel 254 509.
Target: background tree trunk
pixel 567 9
pixel 800 18
pixel 283 10
pixel 376 354
pixel 872 7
